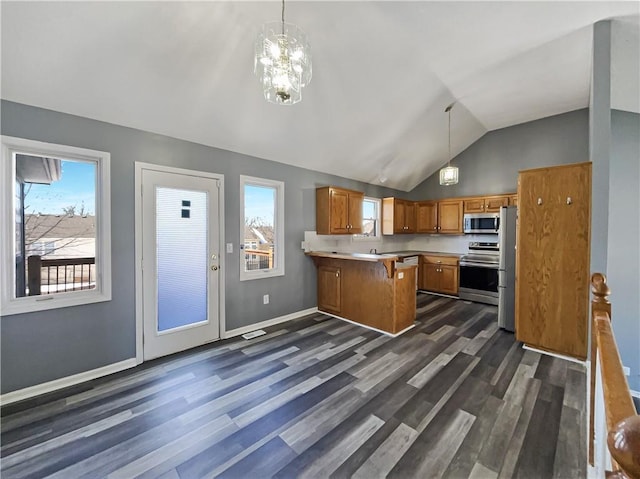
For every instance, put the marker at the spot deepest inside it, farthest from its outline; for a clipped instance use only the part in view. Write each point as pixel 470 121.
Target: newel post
pixel 601 292
pixel 599 303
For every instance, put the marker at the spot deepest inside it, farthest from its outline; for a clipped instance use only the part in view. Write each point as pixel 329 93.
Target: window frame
pixel 9 304
pixel 376 236
pixel 278 269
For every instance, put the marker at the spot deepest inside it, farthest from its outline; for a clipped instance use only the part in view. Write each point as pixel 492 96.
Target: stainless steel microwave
pixel 482 223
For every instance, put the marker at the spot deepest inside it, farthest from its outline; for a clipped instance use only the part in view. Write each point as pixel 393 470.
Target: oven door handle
pixel 479 265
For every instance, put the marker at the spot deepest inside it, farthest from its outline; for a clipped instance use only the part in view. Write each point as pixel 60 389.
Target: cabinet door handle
pixel 337 274
pixel 435 227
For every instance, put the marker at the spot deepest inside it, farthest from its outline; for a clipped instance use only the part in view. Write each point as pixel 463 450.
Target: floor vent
pixel 254 334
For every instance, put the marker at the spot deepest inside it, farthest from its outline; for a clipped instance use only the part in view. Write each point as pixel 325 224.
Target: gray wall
pixel 492 163
pixel 43 346
pixel 623 256
pixel 600 142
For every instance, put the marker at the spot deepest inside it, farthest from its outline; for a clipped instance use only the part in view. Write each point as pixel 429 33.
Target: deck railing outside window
pixel 258 259
pixel 49 276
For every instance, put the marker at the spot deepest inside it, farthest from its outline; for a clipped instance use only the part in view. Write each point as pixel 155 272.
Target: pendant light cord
pixel 283 17
pixel 448 110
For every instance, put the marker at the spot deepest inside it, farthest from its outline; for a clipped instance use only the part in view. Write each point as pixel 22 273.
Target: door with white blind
pixel 181 270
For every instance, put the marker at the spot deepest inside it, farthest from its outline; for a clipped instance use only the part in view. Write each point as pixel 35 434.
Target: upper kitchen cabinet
pixel 450 217
pixel 513 200
pixel 439 217
pixel 338 211
pixel 552 263
pixel 398 216
pixel 427 217
pixel 487 204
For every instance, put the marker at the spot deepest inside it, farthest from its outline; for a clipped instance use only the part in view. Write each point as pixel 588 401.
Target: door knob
pixel 214 268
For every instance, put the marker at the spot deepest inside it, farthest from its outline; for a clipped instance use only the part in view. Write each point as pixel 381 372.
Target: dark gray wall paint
pixel 623 257
pixel 492 163
pixel 43 346
pixel 600 142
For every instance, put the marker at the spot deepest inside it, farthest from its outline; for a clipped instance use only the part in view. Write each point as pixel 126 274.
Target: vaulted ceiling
pixel 383 73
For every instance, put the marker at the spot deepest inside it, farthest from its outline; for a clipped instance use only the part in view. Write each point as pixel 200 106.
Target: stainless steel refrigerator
pixel 507 268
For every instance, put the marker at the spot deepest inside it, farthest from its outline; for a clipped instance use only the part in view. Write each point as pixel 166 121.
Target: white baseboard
pixel 555 355
pixel 65 382
pixel 386 333
pixel 269 322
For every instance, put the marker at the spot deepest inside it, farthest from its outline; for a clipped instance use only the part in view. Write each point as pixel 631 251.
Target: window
pixel 262 220
pixel 55 226
pixel 370 219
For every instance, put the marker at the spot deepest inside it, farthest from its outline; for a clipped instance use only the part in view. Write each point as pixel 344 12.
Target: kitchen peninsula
pixel 374 290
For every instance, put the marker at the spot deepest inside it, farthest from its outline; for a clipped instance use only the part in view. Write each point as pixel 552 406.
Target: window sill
pixel 259 274
pixel 32 304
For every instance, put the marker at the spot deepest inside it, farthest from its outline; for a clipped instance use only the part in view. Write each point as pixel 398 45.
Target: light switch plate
pixel 229 247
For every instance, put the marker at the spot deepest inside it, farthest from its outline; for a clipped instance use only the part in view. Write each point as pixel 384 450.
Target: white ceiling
pixel 383 74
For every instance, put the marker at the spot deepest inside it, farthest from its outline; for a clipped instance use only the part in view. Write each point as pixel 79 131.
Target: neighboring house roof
pixel 261 234
pixel 59 226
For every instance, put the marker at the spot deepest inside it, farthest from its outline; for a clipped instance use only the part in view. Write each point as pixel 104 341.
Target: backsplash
pixel 348 244
pixel 447 243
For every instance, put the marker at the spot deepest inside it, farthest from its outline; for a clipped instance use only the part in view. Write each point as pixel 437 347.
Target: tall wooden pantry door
pixel 553 253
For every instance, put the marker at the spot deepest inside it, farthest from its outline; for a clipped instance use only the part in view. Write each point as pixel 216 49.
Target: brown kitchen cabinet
pixel 486 204
pixel 398 216
pixel 513 200
pixel 439 217
pixel 552 258
pixel 329 289
pixel 338 211
pixel 492 204
pixel 439 274
pixel 427 217
pixel 372 290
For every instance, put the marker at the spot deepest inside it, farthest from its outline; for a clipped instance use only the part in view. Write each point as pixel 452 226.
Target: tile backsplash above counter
pixel 348 244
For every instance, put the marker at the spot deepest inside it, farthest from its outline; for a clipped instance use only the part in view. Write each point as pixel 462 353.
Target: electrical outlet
pixel 229 247
pixel 626 370
pixel 265 299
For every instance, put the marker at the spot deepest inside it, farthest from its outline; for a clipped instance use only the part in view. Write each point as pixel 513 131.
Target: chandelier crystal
pixel 282 61
pixel 449 174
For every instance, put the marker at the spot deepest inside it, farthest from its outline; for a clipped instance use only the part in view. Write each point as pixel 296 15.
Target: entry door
pixel 180 262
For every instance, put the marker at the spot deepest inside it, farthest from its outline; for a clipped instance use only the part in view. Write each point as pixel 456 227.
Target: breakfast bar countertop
pixel 405 254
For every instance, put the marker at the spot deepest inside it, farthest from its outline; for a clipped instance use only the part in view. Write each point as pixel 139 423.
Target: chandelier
pixel 282 61
pixel 449 174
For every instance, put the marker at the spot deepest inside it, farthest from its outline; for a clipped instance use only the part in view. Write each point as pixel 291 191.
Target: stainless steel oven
pixel 479 273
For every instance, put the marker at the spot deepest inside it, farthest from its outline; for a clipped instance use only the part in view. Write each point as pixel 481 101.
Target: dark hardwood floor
pixel 455 397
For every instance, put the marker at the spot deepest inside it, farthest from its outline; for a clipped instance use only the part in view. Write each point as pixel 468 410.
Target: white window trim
pixel 278 270
pixel 10 305
pixel 377 236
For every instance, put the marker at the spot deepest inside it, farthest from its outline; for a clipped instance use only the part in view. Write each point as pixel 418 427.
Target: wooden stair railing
pixel 623 424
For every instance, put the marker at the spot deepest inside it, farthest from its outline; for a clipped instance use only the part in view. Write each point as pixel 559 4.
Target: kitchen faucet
pixel 373 251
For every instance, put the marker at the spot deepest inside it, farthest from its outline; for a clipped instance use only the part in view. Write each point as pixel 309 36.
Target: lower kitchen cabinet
pixel 377 291
pixel 329 290
pixel 439 274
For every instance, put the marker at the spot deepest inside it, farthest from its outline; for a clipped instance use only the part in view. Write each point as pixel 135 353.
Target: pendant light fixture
pixel 282 61
pixel 449 174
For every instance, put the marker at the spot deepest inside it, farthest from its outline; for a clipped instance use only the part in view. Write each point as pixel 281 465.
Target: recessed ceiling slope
pixel 383 74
